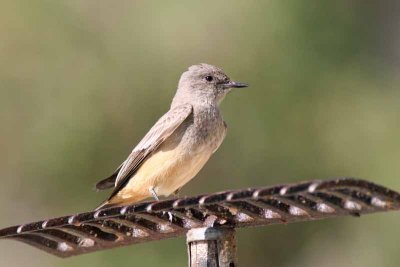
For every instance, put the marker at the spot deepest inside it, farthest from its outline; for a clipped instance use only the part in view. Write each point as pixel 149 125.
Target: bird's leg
pixel 154 194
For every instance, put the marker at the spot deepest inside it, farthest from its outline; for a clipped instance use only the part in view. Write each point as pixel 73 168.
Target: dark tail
pixel 107 183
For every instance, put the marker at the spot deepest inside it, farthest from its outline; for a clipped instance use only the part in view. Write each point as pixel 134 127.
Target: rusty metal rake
pixel 120 226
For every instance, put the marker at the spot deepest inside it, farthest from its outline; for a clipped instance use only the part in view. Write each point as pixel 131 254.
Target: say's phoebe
pixel 179 144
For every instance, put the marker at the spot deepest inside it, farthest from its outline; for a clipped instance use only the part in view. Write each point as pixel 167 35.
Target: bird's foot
pixel 154 194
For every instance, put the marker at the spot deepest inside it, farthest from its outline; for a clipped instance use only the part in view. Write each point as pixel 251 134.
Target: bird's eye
pixel 209 78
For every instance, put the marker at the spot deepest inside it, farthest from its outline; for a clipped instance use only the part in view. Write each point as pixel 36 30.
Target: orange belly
pixel 165 171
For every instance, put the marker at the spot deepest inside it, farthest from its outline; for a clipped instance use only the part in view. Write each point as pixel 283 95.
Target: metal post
pixel 211 247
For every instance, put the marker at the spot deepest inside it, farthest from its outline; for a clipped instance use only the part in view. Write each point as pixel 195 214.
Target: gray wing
pixel 163 128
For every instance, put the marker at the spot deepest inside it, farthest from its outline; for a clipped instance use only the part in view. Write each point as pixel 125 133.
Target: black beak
pixel 232 84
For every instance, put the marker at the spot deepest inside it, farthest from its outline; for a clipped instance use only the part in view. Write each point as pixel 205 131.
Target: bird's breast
pixel 204 129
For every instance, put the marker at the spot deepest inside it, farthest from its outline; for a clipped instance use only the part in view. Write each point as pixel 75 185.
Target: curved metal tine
pixel 196 217
pixel 135 221
pixel 167 218
pixel 138 230
pixel 60 236
pixel 219 211
pixel 333 202
pixel 91 232
pixel 60 249
pixel 253 211
pixel 110 226
pixel 274 209
pixel 301 202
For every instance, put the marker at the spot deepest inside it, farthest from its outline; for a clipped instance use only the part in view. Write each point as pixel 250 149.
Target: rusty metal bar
pixel 120 226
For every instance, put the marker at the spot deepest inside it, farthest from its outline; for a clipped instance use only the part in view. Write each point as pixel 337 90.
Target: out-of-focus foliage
pixel 82 81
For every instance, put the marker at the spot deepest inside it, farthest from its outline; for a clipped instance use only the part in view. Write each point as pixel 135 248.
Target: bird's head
pixel 204 84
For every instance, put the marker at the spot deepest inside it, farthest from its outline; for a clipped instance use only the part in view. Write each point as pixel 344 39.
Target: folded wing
pixel 163 128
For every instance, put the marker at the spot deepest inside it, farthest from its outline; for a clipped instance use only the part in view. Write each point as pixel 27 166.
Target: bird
pixel 179 144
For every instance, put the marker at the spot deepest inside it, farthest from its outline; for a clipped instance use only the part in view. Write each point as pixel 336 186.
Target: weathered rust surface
pixel 120 226
pixel 211 247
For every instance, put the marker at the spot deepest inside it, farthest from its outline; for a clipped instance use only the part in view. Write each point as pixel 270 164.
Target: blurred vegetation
pixel 82 81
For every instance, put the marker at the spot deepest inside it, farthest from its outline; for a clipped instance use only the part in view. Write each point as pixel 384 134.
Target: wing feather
pixel 163 128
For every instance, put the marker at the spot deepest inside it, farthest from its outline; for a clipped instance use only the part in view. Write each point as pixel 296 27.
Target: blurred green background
pixel 82 81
